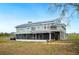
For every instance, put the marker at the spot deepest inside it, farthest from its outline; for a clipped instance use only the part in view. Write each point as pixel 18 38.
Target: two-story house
pixel 41 31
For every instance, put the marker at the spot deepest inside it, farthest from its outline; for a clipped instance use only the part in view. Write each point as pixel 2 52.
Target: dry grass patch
pixel 8 47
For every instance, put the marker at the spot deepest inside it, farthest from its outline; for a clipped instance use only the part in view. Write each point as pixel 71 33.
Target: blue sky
pixel 15 14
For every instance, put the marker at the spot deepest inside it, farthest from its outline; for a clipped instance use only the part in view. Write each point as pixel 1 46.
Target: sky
pixel 13 14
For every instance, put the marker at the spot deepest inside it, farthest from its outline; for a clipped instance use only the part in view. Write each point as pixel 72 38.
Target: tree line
pixel 6 34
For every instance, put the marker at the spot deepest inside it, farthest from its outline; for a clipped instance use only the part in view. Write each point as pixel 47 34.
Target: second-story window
pixel 33 28
pixel 27 27
pixel 45 26
pixel 63 27
pixel 53 27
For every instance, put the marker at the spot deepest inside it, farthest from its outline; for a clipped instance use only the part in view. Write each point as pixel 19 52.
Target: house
pixel 41 31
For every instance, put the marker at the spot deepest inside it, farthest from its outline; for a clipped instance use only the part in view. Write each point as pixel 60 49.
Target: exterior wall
pixel 43 28
pixel 23 30
pixel 39 28
pixel 62 35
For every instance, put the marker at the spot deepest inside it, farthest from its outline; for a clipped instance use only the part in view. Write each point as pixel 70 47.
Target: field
pixel 66 47
pixel 30 48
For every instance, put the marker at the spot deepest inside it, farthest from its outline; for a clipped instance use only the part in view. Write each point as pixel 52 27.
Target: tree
pixel 65 11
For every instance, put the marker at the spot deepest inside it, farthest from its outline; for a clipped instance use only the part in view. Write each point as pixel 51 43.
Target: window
pixel 45 26
pixel 53 27
pixel 63 27
pixel 27 27
pixel 33 28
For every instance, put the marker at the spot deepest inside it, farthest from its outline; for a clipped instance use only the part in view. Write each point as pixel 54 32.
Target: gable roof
pixel 37 23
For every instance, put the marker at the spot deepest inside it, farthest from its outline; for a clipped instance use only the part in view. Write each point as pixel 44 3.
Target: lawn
pixel 67 47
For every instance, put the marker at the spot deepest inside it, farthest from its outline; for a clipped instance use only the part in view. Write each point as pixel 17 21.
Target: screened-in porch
pixel 39 36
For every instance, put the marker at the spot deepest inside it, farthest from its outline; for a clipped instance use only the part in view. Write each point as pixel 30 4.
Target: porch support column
pixel 60 35
pixel 39 36
pixel 42 35
pixel 50 36
pixel 36 36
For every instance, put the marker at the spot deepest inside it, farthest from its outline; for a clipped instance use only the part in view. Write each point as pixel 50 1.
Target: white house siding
pixel 40 28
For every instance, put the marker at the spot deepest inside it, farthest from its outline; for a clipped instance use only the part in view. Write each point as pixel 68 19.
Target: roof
pixel 37 23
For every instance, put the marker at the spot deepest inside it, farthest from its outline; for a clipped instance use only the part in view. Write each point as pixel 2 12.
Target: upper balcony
pixel 40 27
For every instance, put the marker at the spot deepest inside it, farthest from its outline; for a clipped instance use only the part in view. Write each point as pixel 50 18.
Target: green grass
pixel 8 47
pixel 73 36
pixel 6 36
